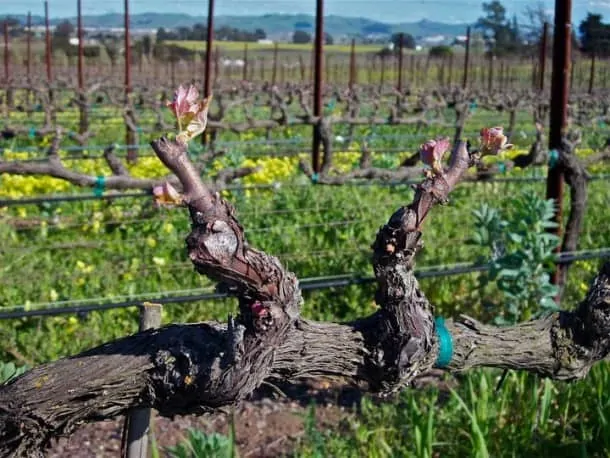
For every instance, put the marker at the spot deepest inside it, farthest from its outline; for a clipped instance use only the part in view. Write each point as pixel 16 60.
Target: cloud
pixel 600 3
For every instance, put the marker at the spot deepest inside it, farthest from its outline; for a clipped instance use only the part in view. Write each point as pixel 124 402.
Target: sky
pixel 390 11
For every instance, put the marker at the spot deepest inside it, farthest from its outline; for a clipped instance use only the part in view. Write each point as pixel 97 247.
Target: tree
pixel 260 34
pixel 161 34
pixel 301 37
pixel 146 46
pixel 328 39
pixel 199 32
pixel 112 47
pixel 501 36
pixel 61 36
pixel 408 42
pixel 595 35
pixel 536 16
pixel 440 51
pixel 64 29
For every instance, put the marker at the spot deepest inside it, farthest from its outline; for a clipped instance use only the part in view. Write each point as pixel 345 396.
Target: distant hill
pixel 271 23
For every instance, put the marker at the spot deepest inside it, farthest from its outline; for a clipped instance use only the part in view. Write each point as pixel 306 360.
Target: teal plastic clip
pixel 100 186
pixel 553 158
pixel 445 351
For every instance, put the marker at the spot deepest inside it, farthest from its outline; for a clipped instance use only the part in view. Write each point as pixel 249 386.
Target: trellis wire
pixel 273 186
pixel 307 284
pixel 297 140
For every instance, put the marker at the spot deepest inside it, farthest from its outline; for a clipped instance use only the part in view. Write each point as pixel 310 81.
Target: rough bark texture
pixel 576 176
pixel 196 368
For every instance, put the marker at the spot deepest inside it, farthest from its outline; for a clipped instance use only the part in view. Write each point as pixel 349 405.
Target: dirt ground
pixel 268 425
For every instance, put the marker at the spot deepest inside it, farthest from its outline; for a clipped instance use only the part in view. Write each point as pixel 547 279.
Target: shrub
pixel 440 51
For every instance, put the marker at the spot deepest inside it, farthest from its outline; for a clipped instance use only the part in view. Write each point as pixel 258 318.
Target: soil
pixel 268 425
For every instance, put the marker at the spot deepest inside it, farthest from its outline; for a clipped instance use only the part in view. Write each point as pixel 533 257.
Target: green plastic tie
pixel 553 158
pixel 100 186
pixel 314 178
pixel 445 351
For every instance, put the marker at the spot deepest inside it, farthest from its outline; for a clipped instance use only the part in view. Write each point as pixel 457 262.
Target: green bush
pixel 521 250
pixel 440 51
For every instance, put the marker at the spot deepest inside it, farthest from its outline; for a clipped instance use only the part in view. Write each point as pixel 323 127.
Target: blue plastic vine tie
pixel 553 158
pixel 32 132
pixel 314 178
pixel 473 106
pixel 445 351
pixel 100 186
pixel 501 167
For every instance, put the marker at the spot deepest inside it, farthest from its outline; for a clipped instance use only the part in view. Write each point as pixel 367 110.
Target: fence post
pixel 382 73
pixel 261 68
pixel 48 51
pixel 245 67
pixel 130 136
pixel 274 69
pixel 466 59
pixel 592 74
pixel 127 51
pixel 542 63
pixel 81 49
pixel 401 43
pixel 137 423
pixel 559 108
pixel 352 65
pixel 317 85
pixel 7 70
pixel 207 85
pixel 217 67
pixel 83 125
pixel 302 67
pixel 29 45
pixel 490 74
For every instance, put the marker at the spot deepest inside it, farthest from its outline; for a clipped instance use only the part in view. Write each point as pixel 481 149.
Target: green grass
pixel 526 417
pixel 282 47
pixel 129 248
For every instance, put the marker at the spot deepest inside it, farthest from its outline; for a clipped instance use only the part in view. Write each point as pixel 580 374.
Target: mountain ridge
pixel 271 23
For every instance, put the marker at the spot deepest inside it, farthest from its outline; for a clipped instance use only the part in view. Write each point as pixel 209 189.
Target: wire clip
pixel 445 342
